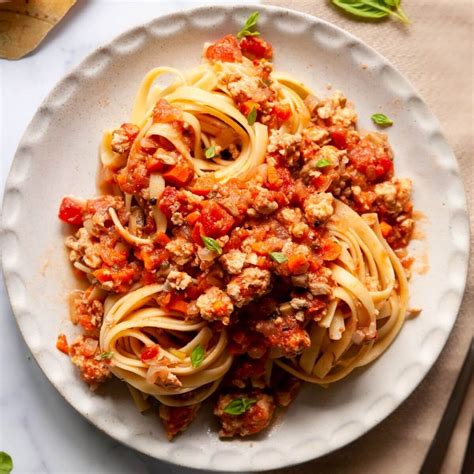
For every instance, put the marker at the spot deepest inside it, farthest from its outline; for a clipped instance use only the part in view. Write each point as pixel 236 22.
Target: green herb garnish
pixel 252 116
pixel 239 406
pixel 210 152
pixel 322 163
pixel 212 244
pixel 249 24
pixel 106 355
pixel 373 9
pixel 382 120
pixel 278 257
pixel 197 356
pixel 6 463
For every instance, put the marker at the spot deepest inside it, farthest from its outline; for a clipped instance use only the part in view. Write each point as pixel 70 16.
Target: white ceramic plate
pixel 58 155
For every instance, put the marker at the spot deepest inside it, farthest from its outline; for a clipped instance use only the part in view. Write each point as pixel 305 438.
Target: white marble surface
pixel 41 432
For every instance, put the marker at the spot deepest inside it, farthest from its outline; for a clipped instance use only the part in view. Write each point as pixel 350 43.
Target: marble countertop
pixel 41 432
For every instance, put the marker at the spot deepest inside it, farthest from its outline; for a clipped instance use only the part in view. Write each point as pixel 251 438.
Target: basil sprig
pixel 197 356
pixel 6 463
pixel 239 406
pixel 210 152
pixel 249 24
pixel 373 9
pixel 278 257
pixel 382 120
pixel 252 116
pixel 212 244
pixel 322 163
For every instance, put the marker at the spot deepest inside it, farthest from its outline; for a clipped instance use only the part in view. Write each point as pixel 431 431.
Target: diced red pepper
pixel 197 232
pixel 71 211
pixel 227 49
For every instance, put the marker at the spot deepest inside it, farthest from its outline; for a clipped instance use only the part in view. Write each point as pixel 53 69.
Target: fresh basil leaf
pixel 249 24
pixel 322 163
pixel 106 355
pixel 239 406
pixel 212 244
pixel 197 356
pixel 278 257
pixel 372 9
pixel 382 120
pixel 369 9
pixel 210 152
pixel 6 463
pixel 252 116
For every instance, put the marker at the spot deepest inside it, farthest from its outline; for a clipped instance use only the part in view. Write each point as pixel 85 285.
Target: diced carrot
pixel 179 175
pixel 385 228
pixel 248 106
pixel 203 185
pixel 165 299
pixel 193 217
pixel 62 344
pixel 261 248
pixel 330 250
pixel 179 306
pixel 273 176
pixel 298 264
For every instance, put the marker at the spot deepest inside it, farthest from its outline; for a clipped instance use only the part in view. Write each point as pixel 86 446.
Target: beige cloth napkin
pixel 435 52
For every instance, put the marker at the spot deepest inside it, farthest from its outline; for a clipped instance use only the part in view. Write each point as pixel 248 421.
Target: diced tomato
pixel 215 220
pixel 149 353
pixel 179 306
pixel 383 167
pixel 298 264
pixel 71 211
pixel 164 112
pixel 161 238
pixel 282 112
pixel 370 161
pixel 254 47
pixel 339 138
pixel 62 344
pixel 227 49
pixel 197 232
pixel 330 250
pixel 179 175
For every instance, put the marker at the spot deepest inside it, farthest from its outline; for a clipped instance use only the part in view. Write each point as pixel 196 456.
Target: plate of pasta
pixel 238 278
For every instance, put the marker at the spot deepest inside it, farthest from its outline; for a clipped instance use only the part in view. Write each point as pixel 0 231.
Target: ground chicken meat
pixel 215 305
pixel 177 281
pixel 283 148
pixel 87 313
pixel 123 137
pixel 85 354
pixel 250 284
pixel 320 283
pixel 177 419
pixel 394 195
pixel 255 419
pixel 84 248
pixel 181 250
pixel 233 262
pixel 285 334
pixel 318 208
pixel 263 202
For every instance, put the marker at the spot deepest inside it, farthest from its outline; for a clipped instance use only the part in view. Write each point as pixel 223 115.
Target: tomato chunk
pixel 165 113
pixel 215 220
pixel 71 211
pixel 254 47
pixel 227 49
pixel 339 138
pixel 149 353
